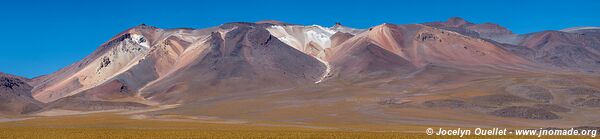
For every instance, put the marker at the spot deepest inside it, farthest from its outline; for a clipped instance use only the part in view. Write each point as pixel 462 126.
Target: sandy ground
pixel 13 119
pixel 181 118
pixel 161 107
pixel 59 112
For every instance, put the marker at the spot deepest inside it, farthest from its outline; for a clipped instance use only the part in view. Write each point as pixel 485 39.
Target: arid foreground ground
pixel 271 79
pixel 116 126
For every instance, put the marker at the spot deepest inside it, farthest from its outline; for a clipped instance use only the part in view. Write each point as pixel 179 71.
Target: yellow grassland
pixel 115 126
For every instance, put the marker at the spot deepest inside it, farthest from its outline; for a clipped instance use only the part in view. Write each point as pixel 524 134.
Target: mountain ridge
pixel 314 46
pixel 240 67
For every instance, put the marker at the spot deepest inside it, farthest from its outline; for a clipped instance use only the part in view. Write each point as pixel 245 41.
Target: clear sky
pixel 40 37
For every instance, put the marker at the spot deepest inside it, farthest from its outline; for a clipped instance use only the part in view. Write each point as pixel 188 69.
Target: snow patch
pixel 286 37
pixel 573 29
pixel 319 35
pixel 345 29
pixel 300 37
pixel 140 40
pixel 327 71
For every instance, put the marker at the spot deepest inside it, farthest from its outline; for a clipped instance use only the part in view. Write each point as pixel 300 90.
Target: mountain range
pixel 451 72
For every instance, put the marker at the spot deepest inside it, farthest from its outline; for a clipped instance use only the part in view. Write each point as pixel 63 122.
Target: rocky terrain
pixel 439 73
pixel 15 96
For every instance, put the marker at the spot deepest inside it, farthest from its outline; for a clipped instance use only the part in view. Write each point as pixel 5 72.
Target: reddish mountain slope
pixel 293 73
pixel 574 51
pixel 422 45
pixel 237 57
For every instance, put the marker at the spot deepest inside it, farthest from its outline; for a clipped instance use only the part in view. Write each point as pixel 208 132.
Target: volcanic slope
pixel 442 73
pixel 233 53
pixel 237 57
pixel 15 96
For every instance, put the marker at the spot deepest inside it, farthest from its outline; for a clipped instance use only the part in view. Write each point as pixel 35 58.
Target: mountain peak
pixel 274 22
pixel 338 24
pixel 145 26
pixel 457 22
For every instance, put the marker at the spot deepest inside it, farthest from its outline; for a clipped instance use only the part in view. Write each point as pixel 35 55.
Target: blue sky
pixel 40 37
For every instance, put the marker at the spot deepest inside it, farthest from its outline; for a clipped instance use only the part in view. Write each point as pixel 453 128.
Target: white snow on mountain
pixel 300 36
pixel 574 29
pixel 140 40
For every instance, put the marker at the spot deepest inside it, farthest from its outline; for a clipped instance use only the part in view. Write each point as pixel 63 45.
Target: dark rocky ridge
pixel 15 96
